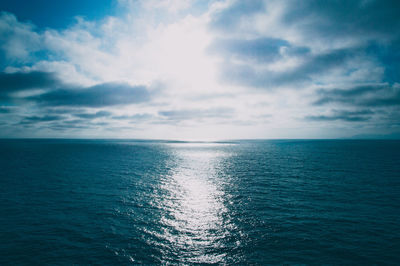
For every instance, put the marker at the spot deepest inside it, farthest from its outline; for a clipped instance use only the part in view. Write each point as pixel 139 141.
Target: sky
pixel 199 69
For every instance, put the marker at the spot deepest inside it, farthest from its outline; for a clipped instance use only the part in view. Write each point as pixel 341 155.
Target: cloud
pixel 59 94
pixel 343 115
pixel 193 114
pixel 39 119
pixel 388 54
pixel 98 114
pixel 308 70
pixel 13 82
pixel 102 95
pixel 376 95
pixel 135 117
pixel 5 110
pixel 341 41
pixel 260 49
pixel 331 22
pixel 228 17
pixel 359 19
pixel 335 63
pixel 18 41
pixel 74 124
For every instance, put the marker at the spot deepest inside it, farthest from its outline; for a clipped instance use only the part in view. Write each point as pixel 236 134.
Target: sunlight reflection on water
pixel 195 218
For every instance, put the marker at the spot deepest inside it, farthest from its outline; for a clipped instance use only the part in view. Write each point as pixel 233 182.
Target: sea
pixel 246 202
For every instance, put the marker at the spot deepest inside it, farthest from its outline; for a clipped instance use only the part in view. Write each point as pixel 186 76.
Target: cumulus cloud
pixel 18 41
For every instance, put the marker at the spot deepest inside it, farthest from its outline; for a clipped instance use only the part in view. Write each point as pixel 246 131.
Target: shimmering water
pixel 245 202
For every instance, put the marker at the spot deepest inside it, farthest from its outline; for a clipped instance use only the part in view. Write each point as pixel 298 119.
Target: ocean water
pixel 65 202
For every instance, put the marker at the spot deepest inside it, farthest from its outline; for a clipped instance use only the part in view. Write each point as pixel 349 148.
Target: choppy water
pixel 247 202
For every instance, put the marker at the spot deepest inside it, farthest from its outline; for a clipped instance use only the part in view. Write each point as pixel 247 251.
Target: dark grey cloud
pixel 247 75
pixel 64 110
pixel 5 110
pixel 102 95
pixel 336 19
pixel 59 94
pixel 75 124
pixel 63 128
pixel 379 100
pixel 71 124
pixel 40 119
pixel 60 123
pixel 98 114
pixel 259 49
pixel 135 117
pixel 365 96
pixel 58 102
pixel 343 115
pixel 20 81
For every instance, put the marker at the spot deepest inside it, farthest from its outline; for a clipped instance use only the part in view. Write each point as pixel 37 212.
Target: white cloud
pixel 18 40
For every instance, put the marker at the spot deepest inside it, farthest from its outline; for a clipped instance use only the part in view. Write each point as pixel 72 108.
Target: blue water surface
pixel 240 202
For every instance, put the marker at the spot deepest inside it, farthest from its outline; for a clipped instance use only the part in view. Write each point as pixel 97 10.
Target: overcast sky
pixel 199 70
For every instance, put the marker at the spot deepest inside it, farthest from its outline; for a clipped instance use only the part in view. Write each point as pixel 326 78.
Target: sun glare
pixel 178 54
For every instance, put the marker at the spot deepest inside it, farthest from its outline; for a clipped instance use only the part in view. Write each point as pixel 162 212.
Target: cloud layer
pixel 206 69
